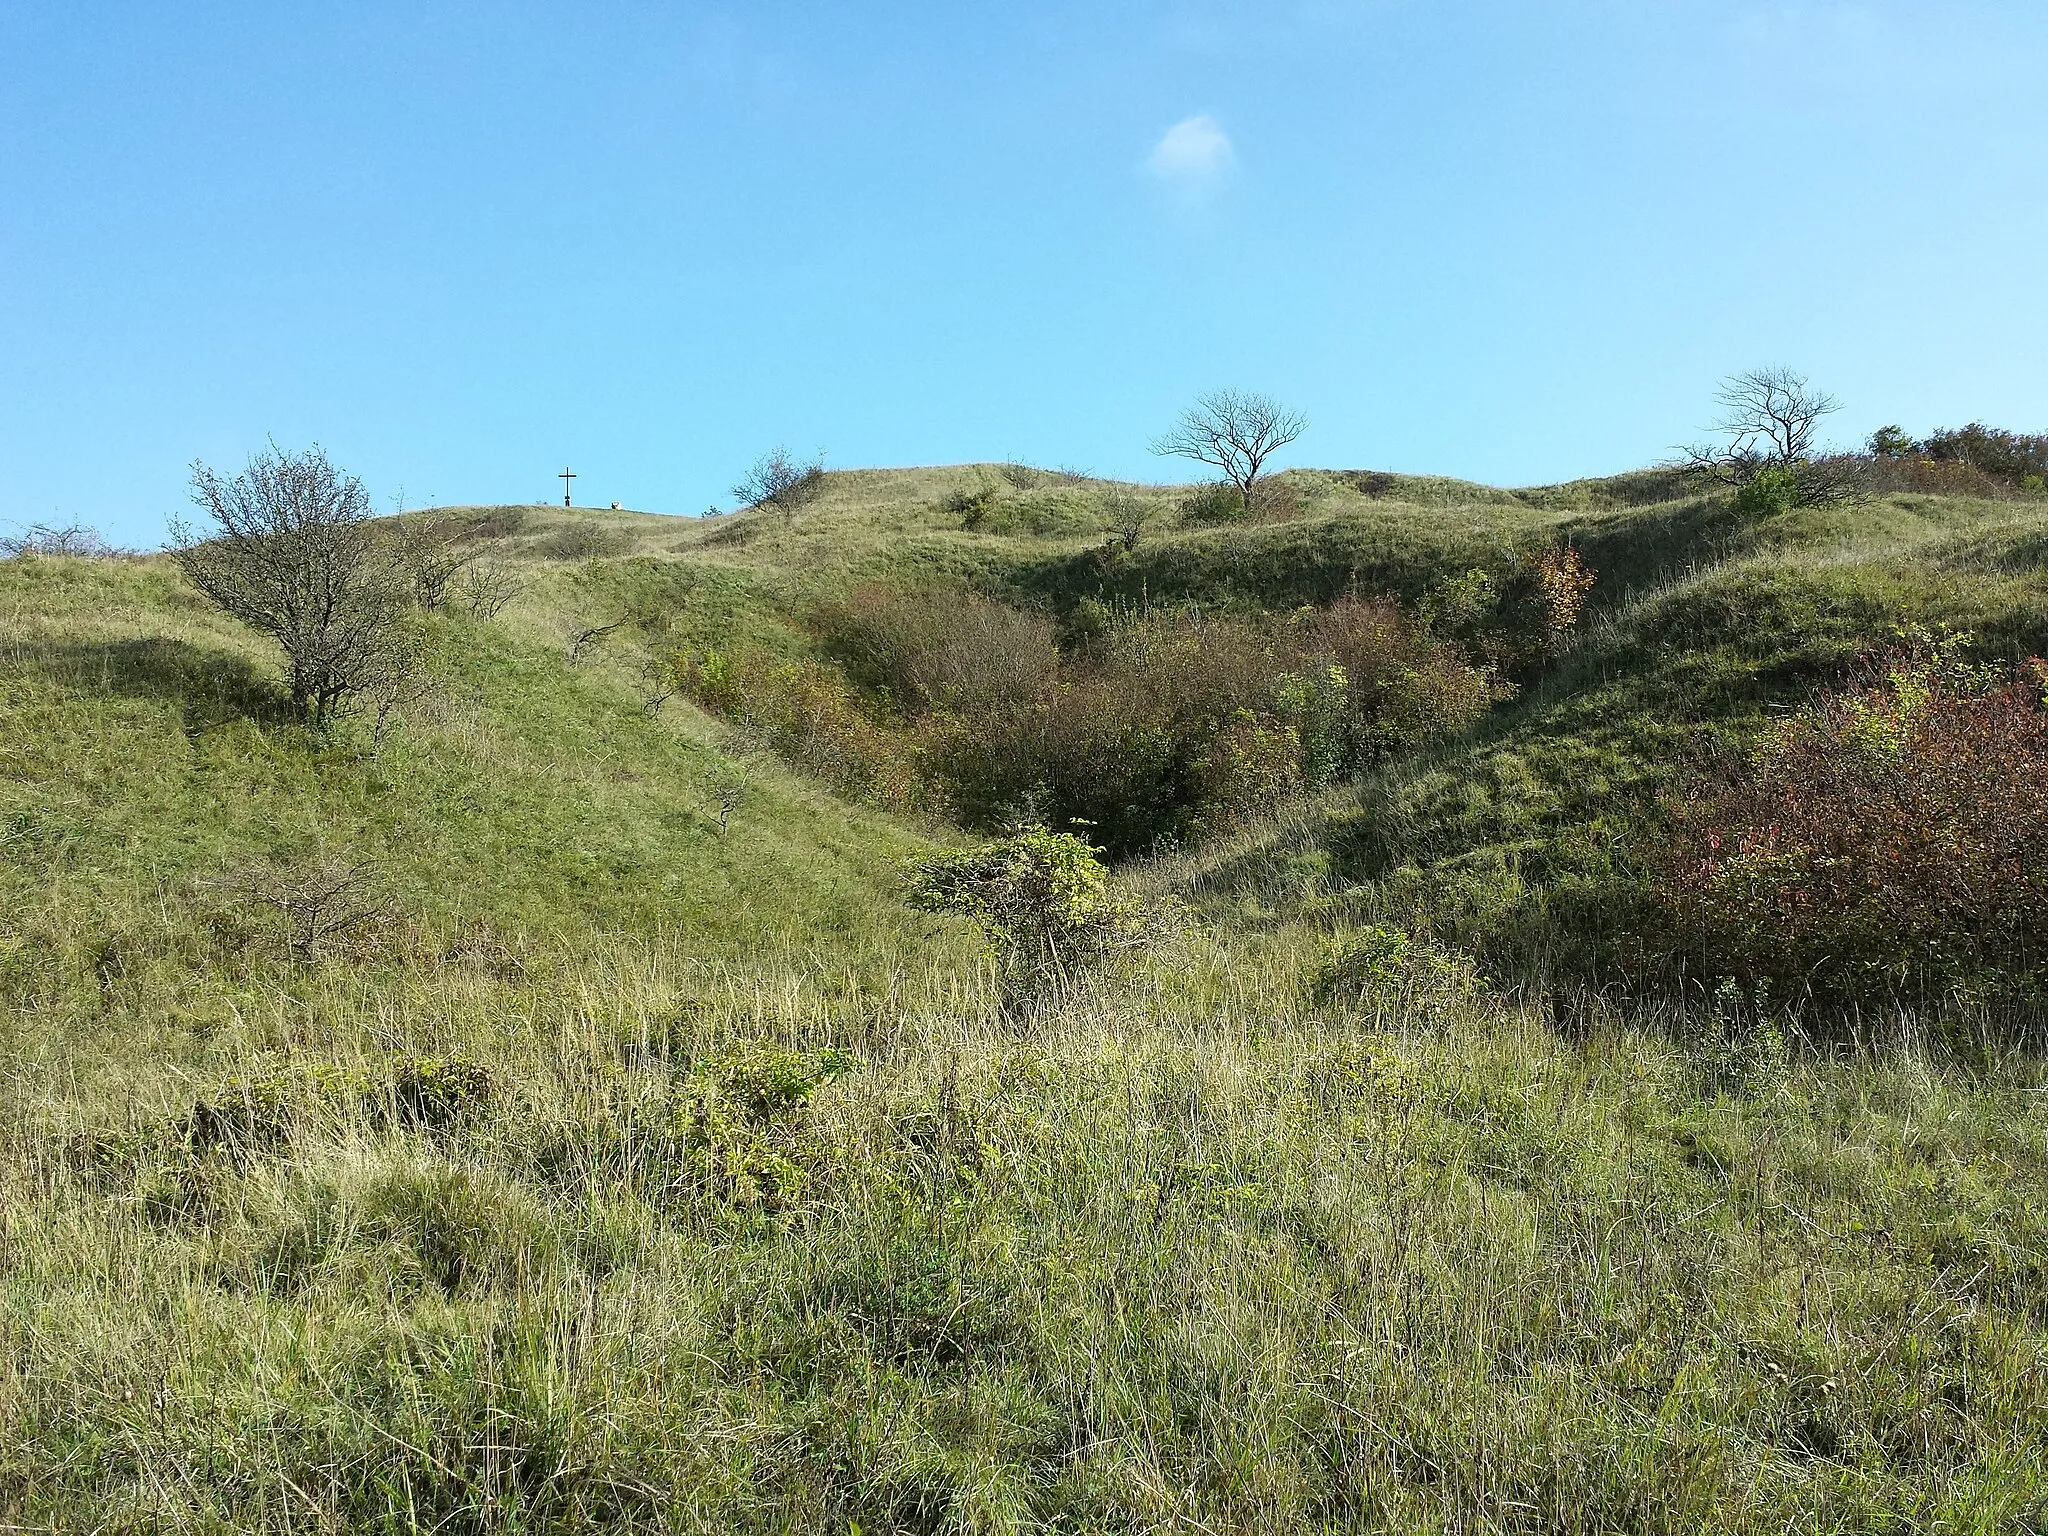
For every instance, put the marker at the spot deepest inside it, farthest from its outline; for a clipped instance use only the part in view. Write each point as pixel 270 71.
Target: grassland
pixel 770 1218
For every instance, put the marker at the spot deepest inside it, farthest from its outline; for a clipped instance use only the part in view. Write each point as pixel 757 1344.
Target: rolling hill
pixel 633 1156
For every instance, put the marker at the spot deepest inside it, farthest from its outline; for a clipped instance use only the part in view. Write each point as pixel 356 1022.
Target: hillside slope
pixel 622 1171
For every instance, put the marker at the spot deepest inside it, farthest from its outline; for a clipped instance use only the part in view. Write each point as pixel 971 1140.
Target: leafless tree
pixel 73 539
pixel 435 548
pixel 729 787
pixel 781 482
pixel 317 900
pixel 1127 515
pixel 485 588
pixel 293 553
pixel 1770 420
pixel 400 690
pixel 1235 433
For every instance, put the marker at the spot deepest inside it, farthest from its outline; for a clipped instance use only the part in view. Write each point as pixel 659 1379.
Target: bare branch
pixel 294 554
pixel 591 635
pixel 1771 418
pixel 778 481
pixel 1234 433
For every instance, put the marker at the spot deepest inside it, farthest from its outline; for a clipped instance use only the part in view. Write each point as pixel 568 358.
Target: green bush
pixel 1214 504
pixel 741 1135
pixel 1046 905
pixel 436 1092
pixel 1768 492
pixel 1386 963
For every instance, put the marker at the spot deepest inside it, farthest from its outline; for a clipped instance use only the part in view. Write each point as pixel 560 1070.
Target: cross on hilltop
pixel 565 477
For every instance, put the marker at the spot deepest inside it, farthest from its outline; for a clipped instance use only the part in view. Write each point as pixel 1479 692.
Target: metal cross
pixel 565 477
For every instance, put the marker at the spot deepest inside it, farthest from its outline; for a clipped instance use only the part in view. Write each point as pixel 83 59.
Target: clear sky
pixel 461 245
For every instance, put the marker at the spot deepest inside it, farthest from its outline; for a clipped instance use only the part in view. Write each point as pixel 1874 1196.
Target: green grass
pixel 1186 1250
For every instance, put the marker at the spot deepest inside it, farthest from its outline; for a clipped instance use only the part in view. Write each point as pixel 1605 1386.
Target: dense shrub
pixel 1147 725
pixel 741 1135
pixel 951 649
pixel 808 712
pixel 1213 504
pixel 1769 491
pixel 1890 841
pixel 2010 456
pixel 1516 619
pixel 1172 723
pixel 1975 460
pixel 1385 964
pixel 1047 906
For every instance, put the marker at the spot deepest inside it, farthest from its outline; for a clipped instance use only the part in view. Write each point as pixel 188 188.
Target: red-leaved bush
pixel 1889 842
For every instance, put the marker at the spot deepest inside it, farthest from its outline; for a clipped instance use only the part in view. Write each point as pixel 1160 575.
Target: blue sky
pixel 463 245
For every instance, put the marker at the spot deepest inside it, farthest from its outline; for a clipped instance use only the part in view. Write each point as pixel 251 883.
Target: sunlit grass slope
pixel 764 1216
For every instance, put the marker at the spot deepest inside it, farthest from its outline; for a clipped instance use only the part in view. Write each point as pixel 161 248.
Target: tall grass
pixel 1190 1253
pixel 1190 1250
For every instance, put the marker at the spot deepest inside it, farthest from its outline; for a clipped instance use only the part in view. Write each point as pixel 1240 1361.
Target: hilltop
pixel 644 1159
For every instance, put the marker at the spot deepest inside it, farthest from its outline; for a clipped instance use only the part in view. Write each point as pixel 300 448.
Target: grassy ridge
pixel 1193 1251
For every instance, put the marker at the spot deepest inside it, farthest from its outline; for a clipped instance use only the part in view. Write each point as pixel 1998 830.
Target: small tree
pixel 293 553
pixel 73 539
pixel 316 900
pixel 485 588
pixel 434 548
pixel 730 781
pixel 1127 514
pixel 781 482
pixel 1771 418
pixel 1234 433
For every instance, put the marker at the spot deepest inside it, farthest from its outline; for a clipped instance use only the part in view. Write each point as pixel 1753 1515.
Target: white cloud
pixel 1192 153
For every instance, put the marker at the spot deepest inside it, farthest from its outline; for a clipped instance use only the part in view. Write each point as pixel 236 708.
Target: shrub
pixel 74 540
pixel 1213 504
pixel 434 547
pixel 1151 726
pixel 781 482
pixel 1559 584
pixel 436 1092
pixel 1047 906
pixel 1890 841
pixel 740 1133
pixel 315 902
pixel 2009 456
pixel 809 714
pixel 1769 491
pixel 1387 964
pixel 583 541
pixel 938 647
pixel 293 553
pixel 973 503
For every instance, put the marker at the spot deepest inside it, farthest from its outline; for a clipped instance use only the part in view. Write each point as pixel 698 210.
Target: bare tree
pixel 1127 514
pixel 664 680
pixel 729 784
pixel 1770 421
pixel 74 539
pixel 778 481
pixel 293 553
pixel 434 548
pixel 485 589
pixel 316 900
pixel 1235 433
pixel 588 635
pixel 401 689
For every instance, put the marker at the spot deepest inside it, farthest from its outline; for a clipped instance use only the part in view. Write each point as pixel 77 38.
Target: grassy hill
pixel 633 1168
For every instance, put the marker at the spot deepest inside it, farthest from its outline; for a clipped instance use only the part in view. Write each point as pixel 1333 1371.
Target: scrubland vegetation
pixel 1552 1044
